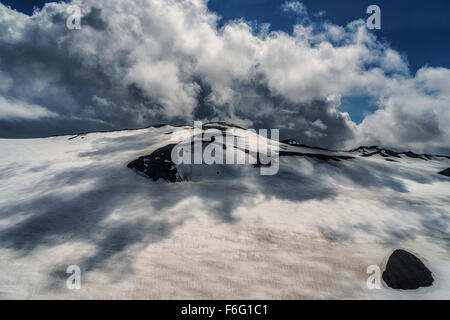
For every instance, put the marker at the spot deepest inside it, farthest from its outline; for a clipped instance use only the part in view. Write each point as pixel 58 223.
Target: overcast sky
pixel 310 68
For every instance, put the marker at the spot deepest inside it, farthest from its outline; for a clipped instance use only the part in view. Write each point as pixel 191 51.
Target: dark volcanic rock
pixel 291 142
pixel 158 165
pixel 294 143
pixel 386 153
pixel 406 271
pixel 413 155
pixel 392 153
pixel 366 155
pixel 445 172
pixel 320 156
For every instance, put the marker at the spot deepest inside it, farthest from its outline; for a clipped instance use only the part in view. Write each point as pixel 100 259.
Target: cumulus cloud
pixel 413 113
pixel 138 62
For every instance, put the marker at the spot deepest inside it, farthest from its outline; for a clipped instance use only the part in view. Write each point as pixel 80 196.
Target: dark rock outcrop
pixel 158 165
pixel 411 154
pixel 320 156
pixel 294 143
pixel 386 153
pixel 445 172
pixel 291 142
pixel 405 271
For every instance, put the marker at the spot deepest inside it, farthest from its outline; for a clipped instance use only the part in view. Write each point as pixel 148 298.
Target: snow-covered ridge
pixel 159 164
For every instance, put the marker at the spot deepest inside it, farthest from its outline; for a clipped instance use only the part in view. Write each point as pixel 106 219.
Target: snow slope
pixel 221 232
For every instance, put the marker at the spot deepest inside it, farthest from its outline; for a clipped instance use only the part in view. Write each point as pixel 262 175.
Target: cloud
pixel 15 109
pixel 138 62
pixel 296 7
pixel 413 114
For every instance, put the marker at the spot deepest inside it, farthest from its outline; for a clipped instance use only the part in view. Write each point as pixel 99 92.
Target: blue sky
pixel 417 29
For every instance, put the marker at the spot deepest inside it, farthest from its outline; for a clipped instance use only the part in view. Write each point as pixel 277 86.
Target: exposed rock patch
pixel 445 172
pixel 158 165
pixel 320 156
pixel 290 142
pixel 406 271
pixel 386 153
pixel 294 143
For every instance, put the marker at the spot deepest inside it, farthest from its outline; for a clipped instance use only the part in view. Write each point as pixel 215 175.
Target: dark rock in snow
pixel 158 165
pixel 222 126
pixel 411 154
pixel 291 142
pixel 386 153
pixel 320 156
pixel 445 172
pixel 392 153
pixel 406 271
pixel 366 155
pixel 364 149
